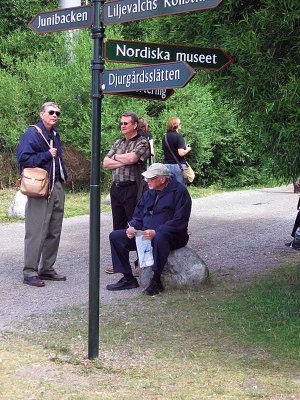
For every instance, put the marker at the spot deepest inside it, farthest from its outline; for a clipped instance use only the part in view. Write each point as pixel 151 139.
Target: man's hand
pixel 53 151
pixel 130 232
pixel 149 234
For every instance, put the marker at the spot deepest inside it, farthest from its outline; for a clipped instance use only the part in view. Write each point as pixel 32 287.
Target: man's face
pixel 49 116
pixel 127 127
pixel 156 183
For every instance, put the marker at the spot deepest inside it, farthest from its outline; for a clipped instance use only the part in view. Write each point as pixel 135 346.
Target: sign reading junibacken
pixel 62 19
pixel 117 12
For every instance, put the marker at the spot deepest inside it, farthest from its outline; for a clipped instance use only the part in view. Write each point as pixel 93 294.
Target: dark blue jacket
pixel 33 151
pixel 166 211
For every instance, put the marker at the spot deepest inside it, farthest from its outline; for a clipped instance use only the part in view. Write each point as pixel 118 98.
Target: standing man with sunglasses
pixel 126 159
pixel 43 217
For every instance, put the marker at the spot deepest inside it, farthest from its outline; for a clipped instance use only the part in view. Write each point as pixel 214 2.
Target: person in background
pixel 126 159
pixel 143 130
pixel 44 216
pixel 178 147
pixel 295 243
pixel 162 215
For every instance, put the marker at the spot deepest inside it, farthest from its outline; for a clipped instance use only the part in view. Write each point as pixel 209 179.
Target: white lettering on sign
pixel 118 10
pixel 57 19
pixel 157 75
pixel 197 58
pixel 162 93
pixel 175 3
pixel 146 52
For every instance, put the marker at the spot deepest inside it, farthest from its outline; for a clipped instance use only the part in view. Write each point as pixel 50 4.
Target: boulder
pixel 17 207
pixel 184 268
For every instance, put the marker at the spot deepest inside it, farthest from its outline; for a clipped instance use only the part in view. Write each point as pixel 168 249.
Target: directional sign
pixel 155 53
pixel 165 76
pixel 120 11
pixel 62 19
pixel 153 94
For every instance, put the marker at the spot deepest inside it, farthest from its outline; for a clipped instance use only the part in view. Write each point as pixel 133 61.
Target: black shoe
pixel 289 244
pixel 123 284
pixel 52 277
pixel 154 288
pixel 33 281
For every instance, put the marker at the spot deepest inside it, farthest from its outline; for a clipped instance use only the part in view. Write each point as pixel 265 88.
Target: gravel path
pixel 238 234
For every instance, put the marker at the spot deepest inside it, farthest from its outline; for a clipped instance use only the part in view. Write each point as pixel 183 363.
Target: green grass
pixel 213 342
pixel 267 313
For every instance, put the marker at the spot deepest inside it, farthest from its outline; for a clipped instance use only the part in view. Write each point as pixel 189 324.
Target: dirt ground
pixel 238 235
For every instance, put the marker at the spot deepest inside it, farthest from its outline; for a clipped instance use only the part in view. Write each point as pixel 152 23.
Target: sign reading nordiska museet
pixel 155 53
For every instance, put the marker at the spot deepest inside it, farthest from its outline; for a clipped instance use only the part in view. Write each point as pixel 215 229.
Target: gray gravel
pixel 238 234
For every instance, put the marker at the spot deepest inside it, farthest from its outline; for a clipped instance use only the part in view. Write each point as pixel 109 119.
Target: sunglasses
pixel 52 112
pixel 124 123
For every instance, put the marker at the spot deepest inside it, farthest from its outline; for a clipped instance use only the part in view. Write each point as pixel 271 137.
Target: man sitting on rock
pixel 162 214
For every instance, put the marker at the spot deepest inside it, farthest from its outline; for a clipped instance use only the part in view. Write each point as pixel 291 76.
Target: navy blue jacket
pixel 166 211
pixel 33 151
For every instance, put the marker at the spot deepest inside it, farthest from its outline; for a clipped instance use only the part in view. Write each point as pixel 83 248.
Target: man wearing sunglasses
pixel 161 216
pixel 126 159
pixel 43 216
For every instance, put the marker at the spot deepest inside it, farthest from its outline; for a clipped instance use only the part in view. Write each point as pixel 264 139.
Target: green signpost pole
pixel 97 66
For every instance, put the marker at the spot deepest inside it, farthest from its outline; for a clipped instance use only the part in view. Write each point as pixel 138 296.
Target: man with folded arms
pixel 126 159
pixel 162 214
pixel 43 216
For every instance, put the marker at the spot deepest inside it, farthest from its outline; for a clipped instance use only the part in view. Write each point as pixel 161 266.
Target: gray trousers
pixel 43 223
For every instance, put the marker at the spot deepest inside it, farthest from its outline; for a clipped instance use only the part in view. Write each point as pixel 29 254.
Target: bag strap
pixel 41 133
pixel 171 151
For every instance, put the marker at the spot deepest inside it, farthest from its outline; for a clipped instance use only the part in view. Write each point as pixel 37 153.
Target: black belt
pixel 124 184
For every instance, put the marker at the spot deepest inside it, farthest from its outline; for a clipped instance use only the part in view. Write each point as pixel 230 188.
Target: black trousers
pixel 296 224
pixel 162 244
pixel 123 201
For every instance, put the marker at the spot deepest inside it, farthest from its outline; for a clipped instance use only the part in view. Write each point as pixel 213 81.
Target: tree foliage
pixel 263 37
pixel 239 121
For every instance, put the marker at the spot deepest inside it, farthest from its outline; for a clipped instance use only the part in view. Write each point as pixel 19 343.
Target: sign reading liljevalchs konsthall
pixel 117 12
pixel 62 19
pixel 155 53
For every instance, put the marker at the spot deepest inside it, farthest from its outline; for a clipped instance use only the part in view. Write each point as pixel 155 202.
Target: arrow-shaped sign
pixel 154 53
pixel 62 19
pixel 120 11
pixel 165 76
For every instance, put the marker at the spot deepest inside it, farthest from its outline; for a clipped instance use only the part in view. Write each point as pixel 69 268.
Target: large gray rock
pixel 17 207
pixel 184 268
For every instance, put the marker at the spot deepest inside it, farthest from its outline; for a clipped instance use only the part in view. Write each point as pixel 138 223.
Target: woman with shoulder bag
pixel 175 149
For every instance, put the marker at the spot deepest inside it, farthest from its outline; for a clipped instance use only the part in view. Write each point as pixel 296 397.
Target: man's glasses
pixel 52 112
pixel 124 123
